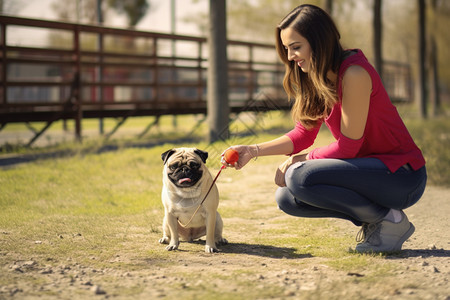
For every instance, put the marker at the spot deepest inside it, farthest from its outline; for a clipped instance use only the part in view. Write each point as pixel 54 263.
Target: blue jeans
pixel 361 190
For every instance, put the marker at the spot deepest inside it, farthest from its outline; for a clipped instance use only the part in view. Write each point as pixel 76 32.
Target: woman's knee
pixel 295 174
pixel 285 200
pixel 295 178
pixel 289 205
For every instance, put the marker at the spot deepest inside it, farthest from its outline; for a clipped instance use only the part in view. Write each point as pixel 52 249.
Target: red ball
pixel 231 156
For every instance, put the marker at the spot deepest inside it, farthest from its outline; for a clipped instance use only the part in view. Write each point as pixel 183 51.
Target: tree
pixel 10 7
pixel 86 12
pixel 422 57
pixel 377 37
pixel 218 107
pixel 253 21
pixel 433 61
pixel 134 9
pixel 329 6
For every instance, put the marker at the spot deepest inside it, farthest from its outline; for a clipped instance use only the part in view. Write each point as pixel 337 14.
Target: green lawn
pixel 91 202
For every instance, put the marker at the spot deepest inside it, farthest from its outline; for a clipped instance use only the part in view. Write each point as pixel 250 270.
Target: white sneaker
pixel 384 236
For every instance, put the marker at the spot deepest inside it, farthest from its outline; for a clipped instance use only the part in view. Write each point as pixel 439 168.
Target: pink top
pixel 385 135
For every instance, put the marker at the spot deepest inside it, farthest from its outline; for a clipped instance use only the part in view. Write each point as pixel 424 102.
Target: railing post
pixel 199 70
pixel 79 97
pixel 100 65
pixel 4 64
pixel 252 77
pixel 156 69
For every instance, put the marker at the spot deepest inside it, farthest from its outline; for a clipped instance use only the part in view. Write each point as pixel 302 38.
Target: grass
pixel 431 135
pixel 102 198
pixel 433 138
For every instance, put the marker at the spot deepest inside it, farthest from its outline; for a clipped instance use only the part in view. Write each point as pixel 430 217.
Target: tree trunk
pixel 217 85
pixel 99 69
pixel 434 79
pixel 377 37
pixel 422 58
pixel 433 64
pixel 329 6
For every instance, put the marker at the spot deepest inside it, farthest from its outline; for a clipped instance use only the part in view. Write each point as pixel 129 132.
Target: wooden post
pixel 78 100
pixel 218 109
pixel 99 69
pixel 3 97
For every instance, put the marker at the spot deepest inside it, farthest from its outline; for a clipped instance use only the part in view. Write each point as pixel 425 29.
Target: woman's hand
pixel 245 154
pixel 281 171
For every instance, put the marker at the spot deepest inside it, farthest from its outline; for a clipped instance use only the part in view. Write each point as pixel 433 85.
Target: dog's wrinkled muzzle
pixel 185 177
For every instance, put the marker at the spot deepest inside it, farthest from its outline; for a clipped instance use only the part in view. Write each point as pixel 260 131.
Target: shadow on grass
pixel 259 250
pixel 16 159
pixel 406 253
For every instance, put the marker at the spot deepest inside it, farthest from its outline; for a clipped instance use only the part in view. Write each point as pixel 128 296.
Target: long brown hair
pixel 314 93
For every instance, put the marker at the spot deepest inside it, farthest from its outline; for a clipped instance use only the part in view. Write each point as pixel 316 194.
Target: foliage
pixel 433 138
pixel 256 20
pixel 250 20
pixel 134 9
pixel 86 13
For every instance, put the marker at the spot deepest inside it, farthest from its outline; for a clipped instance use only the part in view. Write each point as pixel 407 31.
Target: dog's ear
pixel 203 154
pixel 165 156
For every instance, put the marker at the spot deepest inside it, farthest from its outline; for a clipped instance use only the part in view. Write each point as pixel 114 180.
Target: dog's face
pixel 184 166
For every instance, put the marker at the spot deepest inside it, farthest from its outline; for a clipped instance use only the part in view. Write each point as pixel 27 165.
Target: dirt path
pixel 249 270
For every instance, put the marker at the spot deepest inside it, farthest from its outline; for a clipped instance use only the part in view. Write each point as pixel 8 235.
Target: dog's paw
pixel 222 241
pixel 209 249
pixel 172 246
pixel 164 240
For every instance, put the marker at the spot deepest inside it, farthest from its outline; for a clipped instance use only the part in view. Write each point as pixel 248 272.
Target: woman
pixel 373 170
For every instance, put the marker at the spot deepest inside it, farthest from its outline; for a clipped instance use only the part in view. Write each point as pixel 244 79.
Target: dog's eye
pixel 174 166
pixel 194 165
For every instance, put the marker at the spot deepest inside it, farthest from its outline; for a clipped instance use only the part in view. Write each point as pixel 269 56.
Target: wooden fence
pixel 77 71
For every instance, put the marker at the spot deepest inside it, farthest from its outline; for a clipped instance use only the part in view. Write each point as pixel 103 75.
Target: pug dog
pixel 186 181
